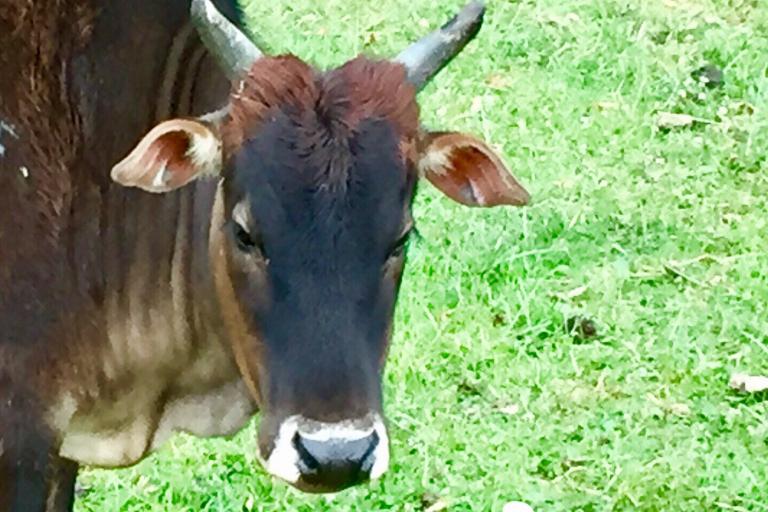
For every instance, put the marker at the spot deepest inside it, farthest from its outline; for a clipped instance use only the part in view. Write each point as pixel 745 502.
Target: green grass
pixel 658 236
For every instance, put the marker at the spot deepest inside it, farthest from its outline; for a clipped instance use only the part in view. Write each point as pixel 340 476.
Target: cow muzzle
pixel 321 457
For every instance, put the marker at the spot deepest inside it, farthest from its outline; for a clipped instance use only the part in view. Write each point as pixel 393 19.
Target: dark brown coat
pixel 80 81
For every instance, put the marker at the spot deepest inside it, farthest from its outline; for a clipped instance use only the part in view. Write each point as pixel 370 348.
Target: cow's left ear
pixel 468 171
pixel 171 155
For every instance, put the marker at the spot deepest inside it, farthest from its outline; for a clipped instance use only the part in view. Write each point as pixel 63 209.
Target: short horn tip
pixel 474 12
pixel 466 22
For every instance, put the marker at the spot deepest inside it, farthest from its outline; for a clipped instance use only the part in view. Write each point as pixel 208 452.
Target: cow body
pixel 260 271
pixel 107 339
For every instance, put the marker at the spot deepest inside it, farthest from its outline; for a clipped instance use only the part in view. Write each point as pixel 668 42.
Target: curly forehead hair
pixel 337 100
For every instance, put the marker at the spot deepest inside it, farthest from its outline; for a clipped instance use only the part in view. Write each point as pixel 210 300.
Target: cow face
pixel 316 174
pixel 317 198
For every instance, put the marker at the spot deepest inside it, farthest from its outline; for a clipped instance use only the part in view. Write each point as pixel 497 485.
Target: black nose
pixel 335 464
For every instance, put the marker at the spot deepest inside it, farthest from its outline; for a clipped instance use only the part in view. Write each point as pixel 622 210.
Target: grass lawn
pixel 656 237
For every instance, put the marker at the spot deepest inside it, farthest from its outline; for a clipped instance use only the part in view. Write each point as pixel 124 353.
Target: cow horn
pixel 427 56
pixel 229 45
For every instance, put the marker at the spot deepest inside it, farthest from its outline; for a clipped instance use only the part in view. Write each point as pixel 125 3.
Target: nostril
pixel 336 462
pixel 305 457
pixel 368 458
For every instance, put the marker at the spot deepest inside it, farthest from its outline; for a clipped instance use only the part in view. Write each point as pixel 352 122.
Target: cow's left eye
pixel 243 239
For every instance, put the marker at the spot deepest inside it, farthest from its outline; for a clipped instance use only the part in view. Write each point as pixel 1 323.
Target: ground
pixel 575 354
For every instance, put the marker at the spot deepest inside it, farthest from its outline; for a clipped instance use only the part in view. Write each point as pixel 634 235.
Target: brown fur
pixel 79 83
pixel 37 188
pixel 273 83
pixel 377 89
pixel 340 99
pixel 40 39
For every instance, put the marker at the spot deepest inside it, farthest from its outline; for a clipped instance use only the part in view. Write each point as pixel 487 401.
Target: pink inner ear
pixel 473 166
pixel 173 148
pixel 473 175
pixel 171 155
pixel 159 163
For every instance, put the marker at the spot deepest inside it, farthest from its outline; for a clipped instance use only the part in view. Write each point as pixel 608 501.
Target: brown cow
pixel 127 315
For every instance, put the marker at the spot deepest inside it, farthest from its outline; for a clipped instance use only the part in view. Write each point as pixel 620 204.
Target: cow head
pixel 317 173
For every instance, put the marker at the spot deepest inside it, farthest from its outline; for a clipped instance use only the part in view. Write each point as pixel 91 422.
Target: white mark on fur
pixel 160 180
pixel 479 196
pixel 10 130
pixel 205 153
pixel 24 171
pixel 435 161
pixel 346 430
pixel 381 462
pixel 6 127
pixel 283 462
pixel 62 412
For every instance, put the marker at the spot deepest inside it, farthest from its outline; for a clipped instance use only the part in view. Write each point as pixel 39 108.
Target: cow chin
pixel 322 457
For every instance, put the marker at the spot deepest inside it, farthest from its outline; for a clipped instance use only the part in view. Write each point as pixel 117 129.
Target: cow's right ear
pixel 171 155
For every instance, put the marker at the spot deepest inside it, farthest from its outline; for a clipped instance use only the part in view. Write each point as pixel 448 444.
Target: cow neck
pixel 158 276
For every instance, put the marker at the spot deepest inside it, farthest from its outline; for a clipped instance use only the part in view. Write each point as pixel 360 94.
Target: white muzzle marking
pixel 283 462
